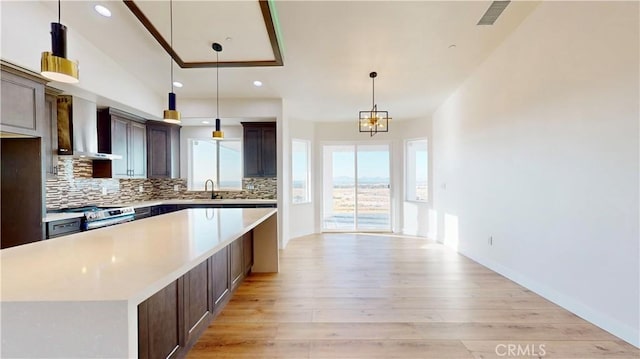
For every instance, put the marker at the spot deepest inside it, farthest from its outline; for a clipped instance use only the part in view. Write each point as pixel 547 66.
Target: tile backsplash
pixel 74 186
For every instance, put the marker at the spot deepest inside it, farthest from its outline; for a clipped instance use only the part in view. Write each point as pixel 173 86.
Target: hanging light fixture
pixel 373 121
pixel 54 65
pixel 171 115
pixel 217 134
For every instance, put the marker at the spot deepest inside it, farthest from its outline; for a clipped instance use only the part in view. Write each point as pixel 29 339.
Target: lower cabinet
pixel 235 257
pixel 171 321
pixel 221 280
pixel 198 306
pixel 159 329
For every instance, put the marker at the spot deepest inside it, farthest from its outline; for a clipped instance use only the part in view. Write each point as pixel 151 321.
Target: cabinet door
pixel 235 259
pixel 247 251
pixel 220 277
pixel 159 151
pixel 269 151
pixel 22 105
pixel 197 299
pixel 251 146
pixel 138 150
pixel 50 137
pixel 119 146
pixel 159 329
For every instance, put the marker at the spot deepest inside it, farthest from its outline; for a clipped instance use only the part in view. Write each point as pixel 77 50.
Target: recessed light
pixel 177 84
pixel 452 46
pixel 102 10
pixel 257 83
pixel 205 122
pixel 228 38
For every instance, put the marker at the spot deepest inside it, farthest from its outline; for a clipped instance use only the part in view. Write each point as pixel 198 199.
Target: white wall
pixel 539 149
pixel 25 35
pixel 399 131
pixel 302 216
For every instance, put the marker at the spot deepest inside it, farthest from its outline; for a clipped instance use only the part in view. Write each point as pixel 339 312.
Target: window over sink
pixel 220 161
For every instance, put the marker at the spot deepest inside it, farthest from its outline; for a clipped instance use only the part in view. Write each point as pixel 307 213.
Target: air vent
pixel 493 12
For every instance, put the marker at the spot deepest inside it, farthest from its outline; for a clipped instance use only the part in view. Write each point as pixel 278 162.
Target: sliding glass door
pixel 356 188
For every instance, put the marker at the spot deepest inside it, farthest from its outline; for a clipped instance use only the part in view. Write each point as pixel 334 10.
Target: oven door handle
pixel 109 221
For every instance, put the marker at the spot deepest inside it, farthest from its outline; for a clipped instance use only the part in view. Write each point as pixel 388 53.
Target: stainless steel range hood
pixel 78 129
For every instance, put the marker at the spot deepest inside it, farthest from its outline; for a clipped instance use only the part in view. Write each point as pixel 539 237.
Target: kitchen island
pixel 79 295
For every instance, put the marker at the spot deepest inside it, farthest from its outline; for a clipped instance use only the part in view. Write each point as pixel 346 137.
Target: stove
pixel 98 217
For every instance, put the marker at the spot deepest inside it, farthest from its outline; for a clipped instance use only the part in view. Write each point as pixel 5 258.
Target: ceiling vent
pixel 493 12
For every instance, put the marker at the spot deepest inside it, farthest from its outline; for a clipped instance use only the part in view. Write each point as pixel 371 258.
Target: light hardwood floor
pixel 366 296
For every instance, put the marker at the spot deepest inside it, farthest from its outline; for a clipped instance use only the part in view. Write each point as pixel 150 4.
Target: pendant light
pixel 54 65
pixel 373 121
pixel 217 134
pixel 171 115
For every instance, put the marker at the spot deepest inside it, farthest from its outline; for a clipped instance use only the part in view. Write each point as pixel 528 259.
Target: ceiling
pixel 421 50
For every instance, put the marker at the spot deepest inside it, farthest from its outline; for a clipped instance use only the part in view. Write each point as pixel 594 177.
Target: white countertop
pixel 129 262
pixel 50 216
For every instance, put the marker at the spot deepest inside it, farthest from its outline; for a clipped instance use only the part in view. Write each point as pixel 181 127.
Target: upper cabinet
pixel 163 150
pixel 22 103
pixel 121 134
pixel 259 145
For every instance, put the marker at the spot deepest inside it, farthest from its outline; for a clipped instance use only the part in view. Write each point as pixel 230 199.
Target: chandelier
pixel 373 121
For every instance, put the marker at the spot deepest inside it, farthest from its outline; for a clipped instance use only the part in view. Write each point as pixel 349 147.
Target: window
pixel 300 174
pixel 220 161
pixel 417 170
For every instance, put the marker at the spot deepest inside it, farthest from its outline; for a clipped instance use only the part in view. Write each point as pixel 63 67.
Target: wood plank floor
pixel 365 296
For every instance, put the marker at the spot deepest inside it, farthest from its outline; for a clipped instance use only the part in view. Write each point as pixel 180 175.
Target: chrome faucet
pixel 213 187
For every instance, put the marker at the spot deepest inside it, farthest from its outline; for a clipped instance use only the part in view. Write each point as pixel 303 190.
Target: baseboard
pixel 620 330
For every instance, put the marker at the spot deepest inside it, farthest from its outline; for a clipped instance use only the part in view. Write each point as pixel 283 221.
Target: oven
pixel 103 217
pixel 95 217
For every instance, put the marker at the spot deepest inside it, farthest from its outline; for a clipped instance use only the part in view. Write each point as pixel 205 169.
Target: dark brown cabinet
pixel 259 148
pixel 221 280
pixel 22 103
pixel 163 150
pixel 121 134
pixel 171 321
pixel 198 301
pixel 159 323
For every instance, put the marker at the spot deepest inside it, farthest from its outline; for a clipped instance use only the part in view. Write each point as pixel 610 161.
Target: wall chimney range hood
pixel 78 129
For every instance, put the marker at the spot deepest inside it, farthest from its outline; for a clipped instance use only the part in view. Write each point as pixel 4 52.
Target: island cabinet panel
pixel 235 259
pixel 160 323
pixel 247 251
pixel 198 292
pixel 221 282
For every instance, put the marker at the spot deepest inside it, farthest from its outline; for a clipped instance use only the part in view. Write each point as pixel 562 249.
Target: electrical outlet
pixel 176 187
pixel 490 240
pixel 140 189
pixel 104 191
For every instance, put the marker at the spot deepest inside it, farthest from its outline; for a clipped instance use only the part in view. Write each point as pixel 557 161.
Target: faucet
pixel 213 194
